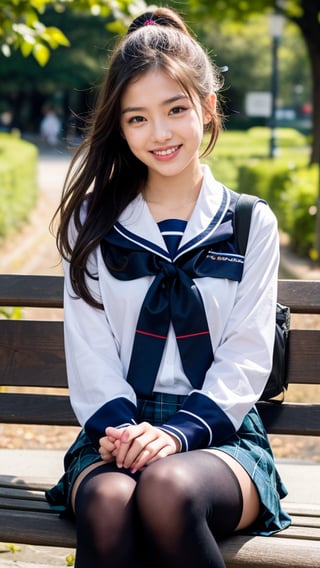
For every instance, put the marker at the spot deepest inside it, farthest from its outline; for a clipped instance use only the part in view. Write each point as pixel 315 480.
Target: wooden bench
pixel 32 355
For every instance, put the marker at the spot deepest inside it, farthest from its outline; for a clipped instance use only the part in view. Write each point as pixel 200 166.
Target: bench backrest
pixel 32 355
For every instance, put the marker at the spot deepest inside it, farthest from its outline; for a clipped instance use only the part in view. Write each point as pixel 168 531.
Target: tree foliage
pixel 22 27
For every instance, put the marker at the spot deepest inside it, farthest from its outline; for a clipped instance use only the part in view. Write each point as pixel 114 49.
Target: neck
pixel 172 198
pixel 174 191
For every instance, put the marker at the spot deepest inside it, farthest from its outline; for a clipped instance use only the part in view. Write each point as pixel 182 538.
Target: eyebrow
pixel 164 103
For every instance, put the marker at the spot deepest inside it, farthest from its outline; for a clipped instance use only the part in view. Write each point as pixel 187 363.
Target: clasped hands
pixel 134 447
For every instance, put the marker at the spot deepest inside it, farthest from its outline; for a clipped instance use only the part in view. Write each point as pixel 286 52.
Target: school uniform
pixel 184 340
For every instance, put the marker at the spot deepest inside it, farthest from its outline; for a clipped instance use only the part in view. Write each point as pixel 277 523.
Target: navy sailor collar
pixel 137 225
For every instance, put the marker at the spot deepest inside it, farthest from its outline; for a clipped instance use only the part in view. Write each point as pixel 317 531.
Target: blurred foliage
pixel 287 183
pixel 19 188
pixel 22 27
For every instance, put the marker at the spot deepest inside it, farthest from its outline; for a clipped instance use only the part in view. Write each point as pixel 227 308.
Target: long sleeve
pixel 243 352
pixel 99 394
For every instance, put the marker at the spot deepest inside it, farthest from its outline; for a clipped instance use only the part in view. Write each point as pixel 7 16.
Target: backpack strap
pixel 242 219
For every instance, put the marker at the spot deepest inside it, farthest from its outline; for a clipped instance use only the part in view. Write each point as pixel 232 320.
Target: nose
pixel 161 131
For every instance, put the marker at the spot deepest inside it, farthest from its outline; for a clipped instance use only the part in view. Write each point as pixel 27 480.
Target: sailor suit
pixel 198 325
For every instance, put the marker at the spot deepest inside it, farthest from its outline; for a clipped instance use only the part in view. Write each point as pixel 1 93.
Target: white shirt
pixel 241 318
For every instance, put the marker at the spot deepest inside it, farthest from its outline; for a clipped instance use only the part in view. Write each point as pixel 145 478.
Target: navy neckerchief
pixel 172 297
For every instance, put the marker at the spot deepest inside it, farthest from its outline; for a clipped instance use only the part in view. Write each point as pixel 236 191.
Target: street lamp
pixel 276 22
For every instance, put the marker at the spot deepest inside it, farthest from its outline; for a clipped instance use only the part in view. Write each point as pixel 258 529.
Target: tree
pixel 22 27
pixel 66 83
pixel 303 13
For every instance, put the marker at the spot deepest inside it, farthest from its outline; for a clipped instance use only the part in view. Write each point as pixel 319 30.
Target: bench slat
pixel 42 362
pixel 304 509
pixel 47 292
pixel 271 552
pixel 49 530
pixel 307 521
pixel 304 360
pixel 32 353
pixel 36 409
pixel 31 291
pixel 300 532
pixel 287 418
pixel 291 418
pixel 23 505
pixel 27 482
pixel 45 529
pixel 301 295
pixel 21 494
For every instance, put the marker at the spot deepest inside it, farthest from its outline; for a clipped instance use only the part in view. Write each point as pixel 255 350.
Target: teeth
pixel 166 152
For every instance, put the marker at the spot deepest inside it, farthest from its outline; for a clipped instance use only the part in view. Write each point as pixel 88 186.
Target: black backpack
pixel 277 382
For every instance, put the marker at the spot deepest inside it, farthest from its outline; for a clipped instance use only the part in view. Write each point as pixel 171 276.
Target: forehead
pixel 153 86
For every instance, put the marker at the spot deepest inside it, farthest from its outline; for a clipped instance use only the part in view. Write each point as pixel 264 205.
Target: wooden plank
pixel 21 494
pixel 303 296
pixel 286 418
pixel 23 505
pixel 31 291
pixel 37 349
pixel 45 529
pixel 304 509
pixel 306 521
pixel 303 356
pixel 300 532
pixel 290 418
pixel 32 353
pixel 252 552
pixel 27 482
pixel 270 552
pixel 36 409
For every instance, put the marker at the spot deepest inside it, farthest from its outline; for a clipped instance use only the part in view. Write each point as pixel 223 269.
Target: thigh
pixel 251 500
pixel 212 485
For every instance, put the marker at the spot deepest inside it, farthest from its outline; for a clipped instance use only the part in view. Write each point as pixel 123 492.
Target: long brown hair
pixel 104 174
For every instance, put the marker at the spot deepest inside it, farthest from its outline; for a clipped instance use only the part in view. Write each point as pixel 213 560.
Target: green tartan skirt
pixel 249 446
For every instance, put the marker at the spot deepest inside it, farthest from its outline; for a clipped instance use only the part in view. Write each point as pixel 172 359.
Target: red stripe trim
pixel 151 334
pixel 192 335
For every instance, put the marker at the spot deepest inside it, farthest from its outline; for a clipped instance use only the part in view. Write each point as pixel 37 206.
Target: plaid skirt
pixel 249 446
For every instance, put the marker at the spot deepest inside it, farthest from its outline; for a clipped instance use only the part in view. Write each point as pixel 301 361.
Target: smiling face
pixel 163 127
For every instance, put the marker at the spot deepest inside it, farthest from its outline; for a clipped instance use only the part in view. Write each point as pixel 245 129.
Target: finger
pixel 114 433
pixel 105 455
pixel 129 451
pixel 107 444
pixel 154 451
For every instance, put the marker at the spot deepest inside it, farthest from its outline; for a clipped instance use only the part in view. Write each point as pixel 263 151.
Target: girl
pixel 168 330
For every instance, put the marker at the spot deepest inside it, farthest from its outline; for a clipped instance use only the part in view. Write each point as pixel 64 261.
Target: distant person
pixel 6 119
pixel 50 128
pixel 169 330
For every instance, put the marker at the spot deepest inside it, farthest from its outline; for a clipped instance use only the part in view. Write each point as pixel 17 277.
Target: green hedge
pixel 18 182
pixel 291 192
pixel 240 160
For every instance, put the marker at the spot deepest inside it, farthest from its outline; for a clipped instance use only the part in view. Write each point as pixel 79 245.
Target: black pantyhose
pixel 182 505
pixel 105 520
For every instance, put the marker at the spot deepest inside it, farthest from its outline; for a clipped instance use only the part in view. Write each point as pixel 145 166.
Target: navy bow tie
pixel 172 297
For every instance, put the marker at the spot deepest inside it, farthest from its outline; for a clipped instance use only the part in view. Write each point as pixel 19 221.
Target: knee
pixel 164 490
pixel 104 495
pixel 103 511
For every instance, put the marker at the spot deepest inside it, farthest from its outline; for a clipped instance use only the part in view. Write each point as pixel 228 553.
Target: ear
pixel 209 108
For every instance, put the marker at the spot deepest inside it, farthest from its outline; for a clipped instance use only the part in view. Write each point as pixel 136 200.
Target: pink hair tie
pixel 149 22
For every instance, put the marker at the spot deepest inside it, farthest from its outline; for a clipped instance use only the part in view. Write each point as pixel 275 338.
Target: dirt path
pixel 32 250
